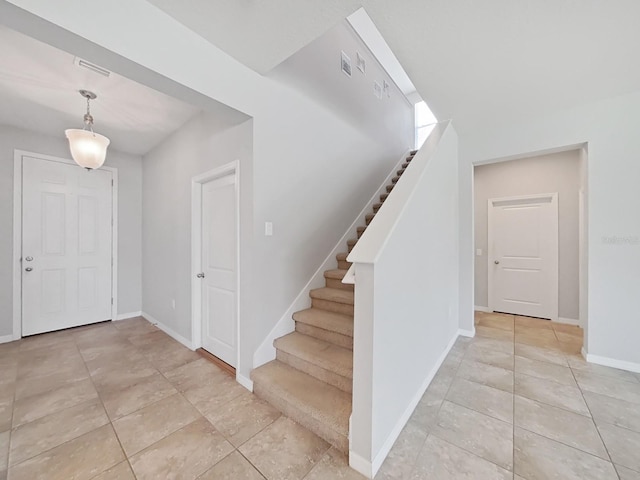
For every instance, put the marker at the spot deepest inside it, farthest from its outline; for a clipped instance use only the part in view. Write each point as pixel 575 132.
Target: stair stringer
pixel 266 352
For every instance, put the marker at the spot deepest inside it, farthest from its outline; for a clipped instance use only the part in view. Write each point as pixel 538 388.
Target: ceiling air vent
pixel 79 62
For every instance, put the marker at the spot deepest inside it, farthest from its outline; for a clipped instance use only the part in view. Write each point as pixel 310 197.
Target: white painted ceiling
pixel 472 61
pixel 39 91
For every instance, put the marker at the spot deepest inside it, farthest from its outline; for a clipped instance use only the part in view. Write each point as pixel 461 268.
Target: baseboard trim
pixel 369 469
pixel 245 382
pixel 169 331
pixel 6 339
pixel 568 321
pixel 482 309
pixel 125 316
pixel 360 465
pixel 612 362
pixel 467 333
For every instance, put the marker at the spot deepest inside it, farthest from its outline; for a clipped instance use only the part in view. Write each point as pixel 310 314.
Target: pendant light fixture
pixel 88 148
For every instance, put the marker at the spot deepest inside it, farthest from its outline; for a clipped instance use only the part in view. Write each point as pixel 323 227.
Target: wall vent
pixel 79 62
pixel 346 64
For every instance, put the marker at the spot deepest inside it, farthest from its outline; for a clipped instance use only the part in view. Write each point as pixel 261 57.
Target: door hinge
pixel 111 300
pixel 112 182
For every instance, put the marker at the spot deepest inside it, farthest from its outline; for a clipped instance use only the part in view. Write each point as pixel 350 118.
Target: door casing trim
pixel 17 235
pixel 231 168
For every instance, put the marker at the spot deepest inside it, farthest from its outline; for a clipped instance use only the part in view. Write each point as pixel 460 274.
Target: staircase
pixel 311 378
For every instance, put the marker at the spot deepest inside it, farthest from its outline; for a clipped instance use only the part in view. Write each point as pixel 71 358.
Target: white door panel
pixel 219 265
pixel 523 256
pixel 66 242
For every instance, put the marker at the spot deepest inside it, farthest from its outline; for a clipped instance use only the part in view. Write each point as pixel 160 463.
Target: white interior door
pixel 66 245
pixel 219 267
pixel 523 255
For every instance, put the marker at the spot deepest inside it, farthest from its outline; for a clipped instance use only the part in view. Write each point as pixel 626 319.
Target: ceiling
pixel 474 62
pixel 39 91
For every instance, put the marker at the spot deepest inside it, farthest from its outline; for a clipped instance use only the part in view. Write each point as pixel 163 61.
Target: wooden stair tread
pixel 317 352
pixel 334 322
pixel 320 401
pixel 333 295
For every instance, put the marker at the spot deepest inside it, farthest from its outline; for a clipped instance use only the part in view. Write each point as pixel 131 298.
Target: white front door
pixel 66 245
pixel 219 267
pixel 523 255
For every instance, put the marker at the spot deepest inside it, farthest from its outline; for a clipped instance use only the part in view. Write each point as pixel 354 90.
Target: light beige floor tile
pixel 105 350
pixel 541 354
pixel 542 333
pixel 4 449
pixel 121 402
pixel 532 322
pixel 503 322
pixel 403 455
pixel 568 338
pixel 539 458
pixel 442 460
pixel 628 391
pixel 489 375
pixel 488 400
pixel 548 371
pixel 3 475
pixel 36 406
pixel 60 363
pixel 146 339
pixel 558 424
pixel 613 411
pixel 31 439
pixel 477 433
pixel 573 330
pixel 334 465
pixel 209 397
pixel 146 426
pixel 242 418
pixel 184 454
pixel 494 344
pixel 538 341
pixel 232 467
pixel 440 384
pixel 116 377
pixel 489 357
pixel 6 406
pixel 122 471
pixel 135 326
pixel 169 357
pixel 82 458
pixel 30 386
pixel 627 474
pixel 623 445
pixel 45 341
pixel 194 374
pixel 497 333
pixel 551 393
pixel 580 364
pixel 284 450
pixel 426 411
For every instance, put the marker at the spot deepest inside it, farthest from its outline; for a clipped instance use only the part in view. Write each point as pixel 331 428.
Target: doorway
pixel 64 245
pixel 215 281
pixel 523 255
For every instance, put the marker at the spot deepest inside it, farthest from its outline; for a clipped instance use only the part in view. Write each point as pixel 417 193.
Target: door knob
pixel 200 275
pixel 28 269
pixel 496 262
pixel 29 259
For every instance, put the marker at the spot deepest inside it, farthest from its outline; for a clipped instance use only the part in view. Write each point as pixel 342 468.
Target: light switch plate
pixel 268 229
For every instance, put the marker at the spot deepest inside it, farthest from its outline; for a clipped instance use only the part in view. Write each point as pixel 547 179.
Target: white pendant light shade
pixel 88 149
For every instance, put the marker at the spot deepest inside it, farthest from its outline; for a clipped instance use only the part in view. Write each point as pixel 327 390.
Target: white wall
pixel 129 216
pixel 406 298
pixel 315 71
pixel 558 172
pixel 609 127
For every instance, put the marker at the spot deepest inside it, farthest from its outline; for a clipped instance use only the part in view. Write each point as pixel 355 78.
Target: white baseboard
pixel 611 362
pixel 245 382
pixel 482 309
pixel 125 316
pixel 6 339
pixel 369 469
pixel 266 351
pixel 467 333
pixel 169 331
pixel 568 321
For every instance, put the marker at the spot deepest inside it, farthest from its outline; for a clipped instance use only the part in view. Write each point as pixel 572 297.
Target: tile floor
pixel 123 401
